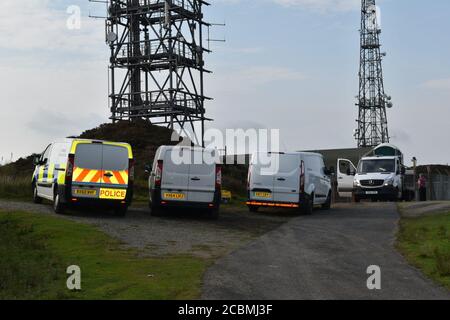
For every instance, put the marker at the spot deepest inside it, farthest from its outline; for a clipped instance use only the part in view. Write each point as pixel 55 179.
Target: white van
pixel 288 180
pixel 80 171
pixel 185 177
pixel 379 176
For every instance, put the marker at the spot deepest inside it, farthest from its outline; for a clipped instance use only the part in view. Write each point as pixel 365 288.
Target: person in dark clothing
pixel 422 188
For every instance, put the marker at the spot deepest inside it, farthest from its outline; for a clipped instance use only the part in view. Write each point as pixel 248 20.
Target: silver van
pixel 288 180
pixel 185 177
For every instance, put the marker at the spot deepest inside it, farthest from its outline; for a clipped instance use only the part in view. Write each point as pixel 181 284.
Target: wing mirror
pixel 403 171
pixel 148 169
pixel 37 160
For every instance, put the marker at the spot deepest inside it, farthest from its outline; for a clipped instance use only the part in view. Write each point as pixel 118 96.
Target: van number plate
pixel 265 195
pixel 371 192
pixel 174 196
pixel 113 194
pixel 89 193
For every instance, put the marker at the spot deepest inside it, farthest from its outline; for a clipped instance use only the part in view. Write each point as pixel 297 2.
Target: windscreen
pixel 377 166
pixel 101 157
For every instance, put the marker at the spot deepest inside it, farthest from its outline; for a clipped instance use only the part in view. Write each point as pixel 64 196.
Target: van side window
pixel 46 153
pixel 344 167
pixel 322 166
pixel 59 153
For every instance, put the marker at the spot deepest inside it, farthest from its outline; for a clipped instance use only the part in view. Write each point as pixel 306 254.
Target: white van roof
pixel 292 153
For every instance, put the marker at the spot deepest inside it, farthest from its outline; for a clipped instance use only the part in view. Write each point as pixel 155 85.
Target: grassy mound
pixel 36 251
pixel 425 242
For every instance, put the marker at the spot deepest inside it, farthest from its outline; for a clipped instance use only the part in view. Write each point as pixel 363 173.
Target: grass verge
pixel 15 188
pixel 36 250
pixel 425 242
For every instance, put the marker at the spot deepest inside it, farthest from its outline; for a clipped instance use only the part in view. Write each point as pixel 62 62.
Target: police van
pixel 91 172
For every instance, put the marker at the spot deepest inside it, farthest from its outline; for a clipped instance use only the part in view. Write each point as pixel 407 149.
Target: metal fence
pixel 438 187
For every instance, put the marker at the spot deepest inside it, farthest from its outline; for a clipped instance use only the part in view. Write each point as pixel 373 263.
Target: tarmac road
pixel 323 256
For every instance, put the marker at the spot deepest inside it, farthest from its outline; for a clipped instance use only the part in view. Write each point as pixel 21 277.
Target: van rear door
pixel 100 171
pixel 115 178
pixel 287 180
pixel 202 178
pixel 261 179
pixel 175 178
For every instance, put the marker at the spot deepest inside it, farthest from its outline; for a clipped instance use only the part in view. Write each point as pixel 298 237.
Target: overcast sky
pixel 287 64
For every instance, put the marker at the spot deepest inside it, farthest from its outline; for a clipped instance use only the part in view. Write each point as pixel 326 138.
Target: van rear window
pixel 115 158
pixel 89 156
pixel 101 157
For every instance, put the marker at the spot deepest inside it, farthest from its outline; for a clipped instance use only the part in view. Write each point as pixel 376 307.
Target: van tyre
pixel 253 209
pixel 327 204
pixel 308 206
pixel 120 211
pixel 214 214
pixel 155 211
pixel 36 198
pixel 58 206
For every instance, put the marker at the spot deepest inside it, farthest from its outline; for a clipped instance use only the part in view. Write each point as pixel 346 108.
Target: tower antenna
pixel 157 63
pixel 372 101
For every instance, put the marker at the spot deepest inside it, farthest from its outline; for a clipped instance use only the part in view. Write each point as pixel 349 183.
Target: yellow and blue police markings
pixel 53 173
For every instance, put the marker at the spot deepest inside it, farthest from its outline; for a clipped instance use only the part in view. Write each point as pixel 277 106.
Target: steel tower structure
pixel 372 100
pixel 156 66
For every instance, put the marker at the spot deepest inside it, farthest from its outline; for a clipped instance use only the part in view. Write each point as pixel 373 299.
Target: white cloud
pixel 316 5
pixel 34 25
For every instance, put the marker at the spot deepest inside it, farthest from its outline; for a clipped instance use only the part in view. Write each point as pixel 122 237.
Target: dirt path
pixel 178 233
pixel 323 256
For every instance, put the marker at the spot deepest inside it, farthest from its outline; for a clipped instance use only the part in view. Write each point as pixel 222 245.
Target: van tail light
pixel 218 176
pixel 159 173
pixel 302 177
pixel 70 168
pixel 131 170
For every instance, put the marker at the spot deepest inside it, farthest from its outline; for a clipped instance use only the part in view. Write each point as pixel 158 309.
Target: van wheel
pixel 327 204
pixel 308 205
pixel 120 211
pixel 36 198
pixel 214 214
pixel 58 206
pixel 156 211
pixel 253 209
pixel 356 199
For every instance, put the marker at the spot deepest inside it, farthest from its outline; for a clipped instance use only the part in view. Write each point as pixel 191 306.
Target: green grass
pixel 36 250
pixel 425 242
pixel 16 188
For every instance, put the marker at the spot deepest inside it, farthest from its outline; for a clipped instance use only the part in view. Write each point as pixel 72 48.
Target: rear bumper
pixel 254 203
pixel 155 196
pixel 275 204
pixel 65 193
